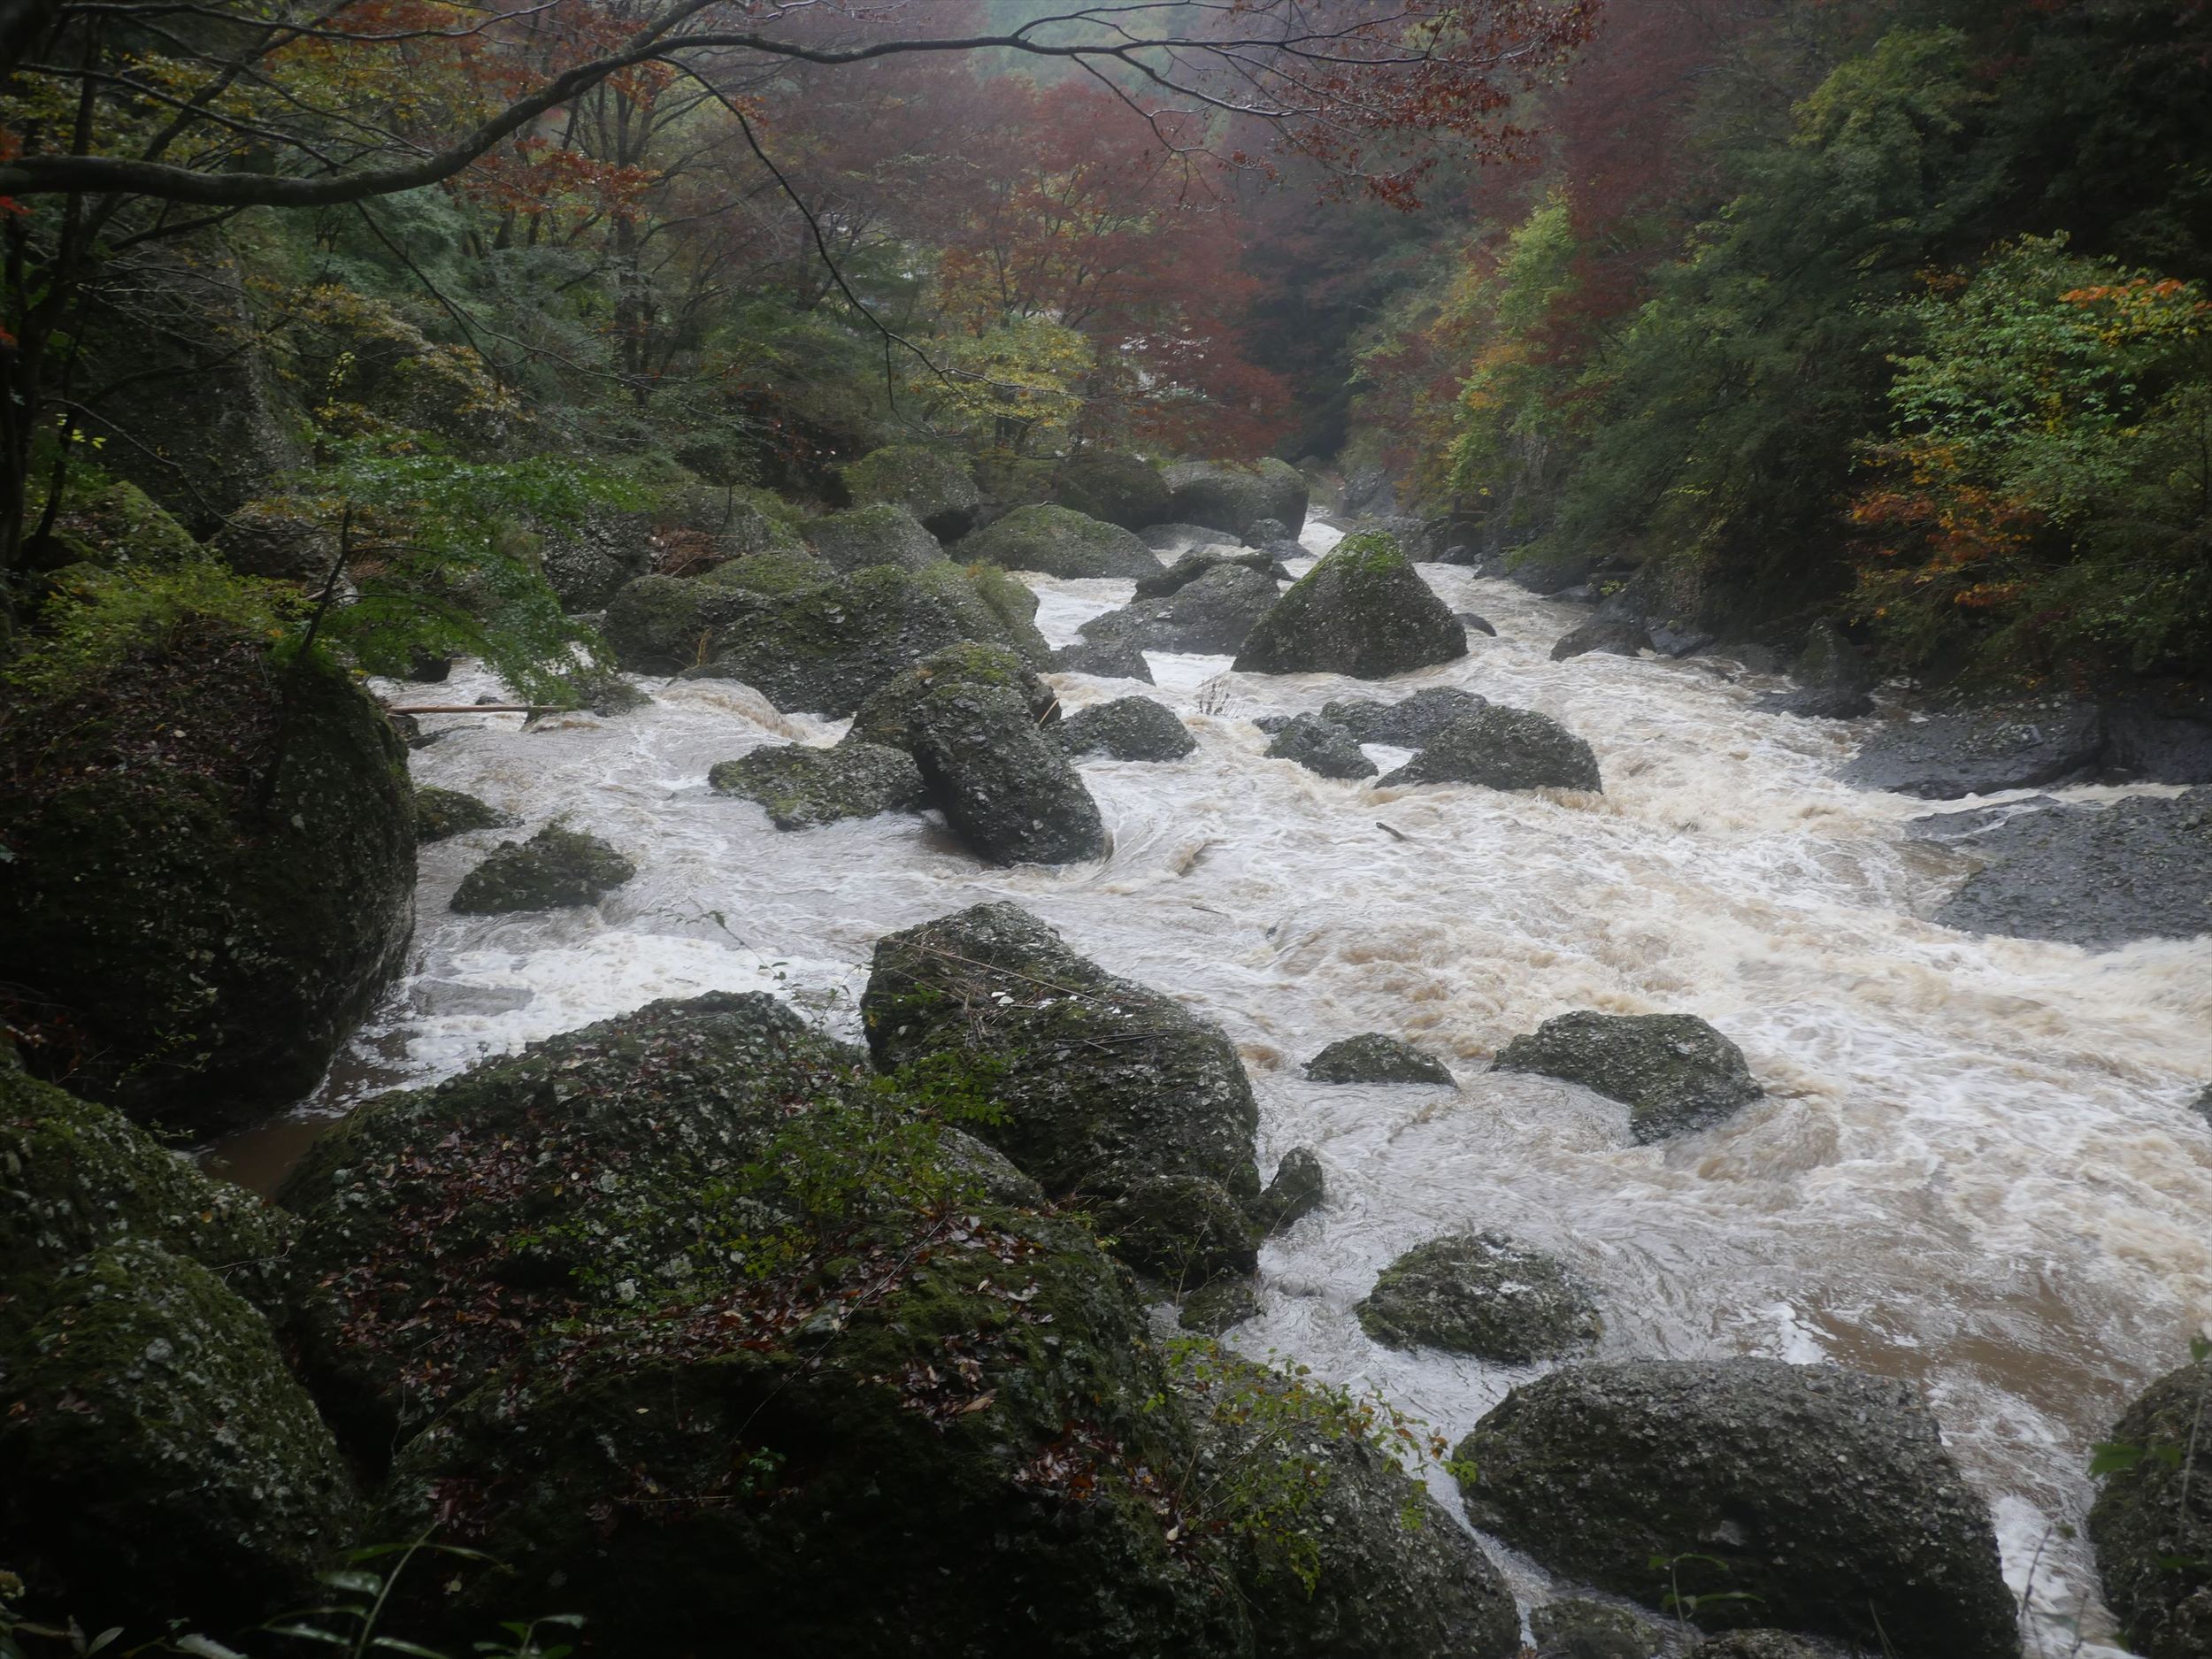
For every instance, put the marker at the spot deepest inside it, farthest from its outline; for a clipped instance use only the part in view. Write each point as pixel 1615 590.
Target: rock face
pixel 556 868
pixel 441 814
pixel 1010 794
pixel 1212 616
pixel 1015 606
pixel 1412 722
pixel 1374 1057
pixel 1361 612
pixel 936 488
pixel 1128 728
pixel 1059 543
pixel 1108 659
pixel 1203 562
pixel 1826 1494
pixel 1674 1073
pixel 2095 876
pixel 1578 1628
pixel 1504 749
pixel 803 786
pixel 587 561
pixel 1322 747
pixel 888 715
pixel 1481 1293
pixel 1229 497
pixel 1614 636
pixel 1106 1085
pixel 1119 490
pixel 775 573
pixel 155 1454
pixel 1980 751
pixel 197 958
pixel 663 625
pixel 2157 1512
pixel 868 536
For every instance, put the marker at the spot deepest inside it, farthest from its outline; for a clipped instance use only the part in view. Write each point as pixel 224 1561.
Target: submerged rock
pixel 1361 612
pixel 1504 749
pixel 441 814
pixel 1118 490
pixel 1475 623
pixel 868 537
pixel 1059 543
pixel 557 868
pixel 887 716
pixel 1231 498
pixel 1613 635
pixel 1374 1057
pixel 2152 1522
pixel 1321 747
pixel 1836 704
pixel 1824 1495
pixel 1108 659
pixel 1127 728
pixel 934 487
pixel 1212 616
pixel 1296 1191
pixel 803 786
pixel 1201 562
pixel 1010 794
pixel 1674 1073
pixel 1980 751
pixel 1412 722
pixel 1480 1293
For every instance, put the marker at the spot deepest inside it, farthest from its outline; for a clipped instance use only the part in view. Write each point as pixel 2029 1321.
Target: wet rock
pixel 1322 747
pixel 1756 1644
pixel 1830 662
pixel 556 868
pixel 441 814
pixel 1187 538
pixel 1504 749
pixel 1979 751
pixel 1186 1230
pixel 1826 1495
pixel 1059 543
pixel 1614 636
pixel 1213 1308
pixel 590 560
pixel 1579 1628
pixel 2202 1104
pixel 2152 1521
pixel 1475 623
pixel 803 786
pixel 1203 562
pixel 599 691
pixel 1105 1083
pixel 409 730
pixel 1548 572
pixel 1128 728
pixel 936 487
pixel 772 575
pixel 1480 1293
pixel 157 1459
pixel 1265 532
pixel 1361 612
pixel 663 625
pixel 1118 490
pixel 1012 602
pixel 1672 637
pixel 1834 705
pixel 1108 659
pixel 2161 737
pixel 1674 1073
pixel 699 529
pixel 1296 1191
pixel 1008 794
pixel 864 537
pixel 2097 876
pixel 888 715
pixel 1373 1057
pixel 1212 616
pixel 1412 722
pixel 1231 498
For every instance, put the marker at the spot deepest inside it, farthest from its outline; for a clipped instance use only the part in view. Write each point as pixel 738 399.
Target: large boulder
pixel 157 1459
pixel 1980 751
pixel 783 571
pixel 211 878
pixel 1375 1057
pixel 2152 1522
pixel 1203 562
pixel 1674 1073
pixel 1322 747
pixel 1212 616
pixel 937 488
pixel 1058 541
pixel 1106 659
pixel 867 537
pixel 887 716
pixel 1014 603
pixel 1504 749
pixel 1127 728
pixel 1613 636
pixel 1824 1496
pixel 1294 1191
pixel 1361 612
pixel 803 786
pixel 1008 794
pixel 663 625
pixel 441 814
pixel 699 527
pixel 1105 1085
pixel 1412 722
pixel 1122 490
pixel 1481 1293
pixel 1230 497
pixel 586 560
pixel 557 868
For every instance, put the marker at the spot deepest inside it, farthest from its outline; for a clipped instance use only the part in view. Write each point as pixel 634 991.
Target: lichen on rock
pixel 1481 1293
pixel 1674 1073
pixel 802 786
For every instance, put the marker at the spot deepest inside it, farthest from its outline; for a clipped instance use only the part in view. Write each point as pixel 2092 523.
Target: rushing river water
pixel 1973 1166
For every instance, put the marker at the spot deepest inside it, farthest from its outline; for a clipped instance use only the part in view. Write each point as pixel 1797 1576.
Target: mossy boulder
pixel 1577 1627
pixel 1674 1073
pixel 1375 1057
pixel 1294 1191
pixel 1015 606
pixel 1059 541
pixel 108 522
pixel 1127 728
pixel 1202 562
pixel 557 868
pixel 866 536
pixel 1504 749
pixel 190 939
pixel 803 786
pixel 1122 490
pixel 1607 636
pixel 441 814
pixel 1106 659
pixel 1216 1306
pixel 588 560
pixel 1824 1495
pixel 157 1459
pixel 1104 1084
pixel 936 487
pixel 888 715
pixel 2152 1522
pixel 1412 722
pixel 663 625
pixel 1322 747
pixel 1361 612
pixel 1185 1230
pixel 699 527
pixel 1481 1293
pixel 1008 794
pixel 1212 616
pixel 1231 496
pixel 786 571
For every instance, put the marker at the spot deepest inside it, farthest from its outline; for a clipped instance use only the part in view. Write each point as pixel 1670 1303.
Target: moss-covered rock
pixel 441 814
pixel 1212 616
pixel 1203 562
pixel 1412 722
pixel 1674 1073
pixel 1220 1305
pixel 1824 1495
pixel 191 941
pixel 784 571
pixel 663 625
pixel 108 522
pixel 1185 1230
pixel 1010 794
pixel 801 786
pixel 1058 541
pixel 1294 1192
pixel 864 537
pixel 1122 490
pixel 157 1459
pixel 699 527
pixel 1480 1293
pixel 1231 498
pixel 1015 606
pixel 588 560
pixel 1108 659
pixel 1127 728
pixel 1322 747
pixel 887 716
pixel 1374 1056
pixel 2152 1522
pixel 557 868
pixel 1504 749
pixel 1579 1628
pixel 1103 1083
pixel 1363 611
pixel 935 487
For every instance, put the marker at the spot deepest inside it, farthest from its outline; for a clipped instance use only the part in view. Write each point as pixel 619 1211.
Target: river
pixel 1974 1165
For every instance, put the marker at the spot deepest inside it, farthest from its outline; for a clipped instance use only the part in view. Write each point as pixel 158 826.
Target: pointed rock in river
pixel 557 868
pixel 1008 794
pixel 1361 612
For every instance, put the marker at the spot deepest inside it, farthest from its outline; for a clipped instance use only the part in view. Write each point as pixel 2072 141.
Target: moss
pixel 803 786
pixel 1059 543
pixel 887 716
pixel 441 814
pixel 1124 489
pixel 109 522
pixel 1364 611
pixel 935 487
pixel 2152 1522
pixel 783 572
pixel 884 533
pixel 557 868
pixel 1015 606
pixel 661 625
